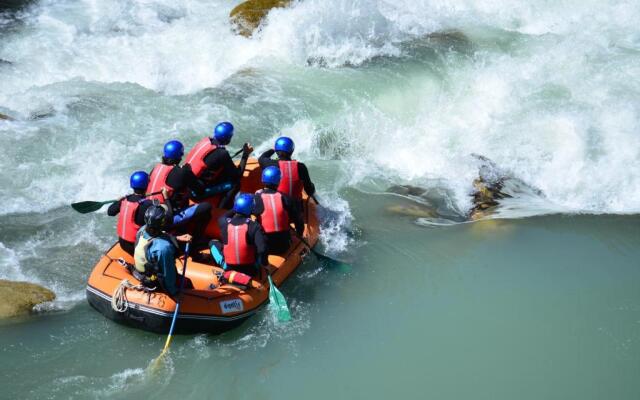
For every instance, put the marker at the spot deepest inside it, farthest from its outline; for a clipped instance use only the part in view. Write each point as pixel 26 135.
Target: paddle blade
pixel 156 364
pixel 333 263
pixel 277 303
pixel 85 207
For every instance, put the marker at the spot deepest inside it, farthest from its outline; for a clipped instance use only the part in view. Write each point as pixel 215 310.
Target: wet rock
pixel 486 195
pixel 450 40
pixel 19 298
pixel 407 190
pixel 5 117
pixel 412 210
pixel 247 17
pixel 5 62
pixel 37 115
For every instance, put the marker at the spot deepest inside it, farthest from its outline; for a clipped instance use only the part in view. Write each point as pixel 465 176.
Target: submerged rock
pixel 486 195
pixel 247 17
pixel 5 117
pixel 407 190
pixel 19 298
pixel 412 210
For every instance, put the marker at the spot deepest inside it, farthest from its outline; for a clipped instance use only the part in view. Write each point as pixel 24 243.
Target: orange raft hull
pixel 209 306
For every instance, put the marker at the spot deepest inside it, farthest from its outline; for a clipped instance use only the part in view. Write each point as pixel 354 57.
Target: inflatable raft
pixel 207 307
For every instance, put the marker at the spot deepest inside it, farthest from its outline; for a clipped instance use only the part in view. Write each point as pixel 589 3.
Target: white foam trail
pixel 336 222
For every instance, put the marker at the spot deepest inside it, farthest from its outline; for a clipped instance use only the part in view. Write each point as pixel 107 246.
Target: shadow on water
pixel 12 13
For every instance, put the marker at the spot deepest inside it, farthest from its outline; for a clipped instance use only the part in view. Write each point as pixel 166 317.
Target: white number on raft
pixel 231 306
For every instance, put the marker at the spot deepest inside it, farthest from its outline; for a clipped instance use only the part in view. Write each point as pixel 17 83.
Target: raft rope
pixel 119 301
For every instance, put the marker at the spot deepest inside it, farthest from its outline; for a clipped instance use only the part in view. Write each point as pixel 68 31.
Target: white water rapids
pixel 548 90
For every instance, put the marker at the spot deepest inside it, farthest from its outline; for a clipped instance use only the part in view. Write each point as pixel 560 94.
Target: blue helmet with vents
pixel 243 204
pixel 223 132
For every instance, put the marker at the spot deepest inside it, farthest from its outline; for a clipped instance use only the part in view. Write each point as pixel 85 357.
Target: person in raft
pixel 243 245
pixel 179 181
pixel 156 250
pixel 212 165
pixel 295 175
pixel 275 212
pixel 130 210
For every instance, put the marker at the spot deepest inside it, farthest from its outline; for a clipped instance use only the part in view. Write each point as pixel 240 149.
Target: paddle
pixel 237 153
pixel 175 313
pixel 333 263
pixel 85 207
pixel 278 303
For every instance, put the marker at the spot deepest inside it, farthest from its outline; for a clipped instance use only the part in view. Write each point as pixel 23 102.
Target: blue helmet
pixel 139 180
pixel 284 144
pixel 173 150
pixel 243 204
pixel 223 132
pixel 271 175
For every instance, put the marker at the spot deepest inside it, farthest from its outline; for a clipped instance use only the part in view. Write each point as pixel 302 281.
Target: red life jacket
pixel 237 250
pixel 274 218
pixel 127 227
pixel 196 157
pixel 158 180
pixel 290 183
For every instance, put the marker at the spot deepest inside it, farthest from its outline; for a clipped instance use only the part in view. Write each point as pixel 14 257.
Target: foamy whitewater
pixel 542 88
pixel 375 94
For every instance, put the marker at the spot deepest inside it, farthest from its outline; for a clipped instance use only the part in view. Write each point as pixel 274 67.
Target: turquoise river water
pixel 540 300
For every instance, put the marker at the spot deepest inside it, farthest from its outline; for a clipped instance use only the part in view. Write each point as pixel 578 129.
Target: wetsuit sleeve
pixel 258 205
pixel 114 209
pixel 191 180
pixel 220 158
pixel 309 187
pixel 295 214
pixel 265 158
pixel 164 252
pixel 260 241
pixel 222 223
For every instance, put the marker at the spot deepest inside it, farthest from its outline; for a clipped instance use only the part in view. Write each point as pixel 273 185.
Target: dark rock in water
pixel 407 190
pixel 41 115
pixel 5 62
pixel 441 41
pixel 19 298
pixel 5 117
pixel 413 210
pixel 247 17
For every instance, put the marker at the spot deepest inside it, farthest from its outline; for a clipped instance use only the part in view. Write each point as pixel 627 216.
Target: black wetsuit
pixel 220 160
pixel 114 209
pixel 255 236
pixel 278 242
pixel 266 161
pixel 182 180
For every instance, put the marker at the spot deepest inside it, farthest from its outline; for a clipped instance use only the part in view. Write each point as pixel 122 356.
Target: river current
pixel 540 300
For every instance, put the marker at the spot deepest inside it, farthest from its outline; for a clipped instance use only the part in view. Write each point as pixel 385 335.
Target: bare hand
pixel 184 238
pixel 165 193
